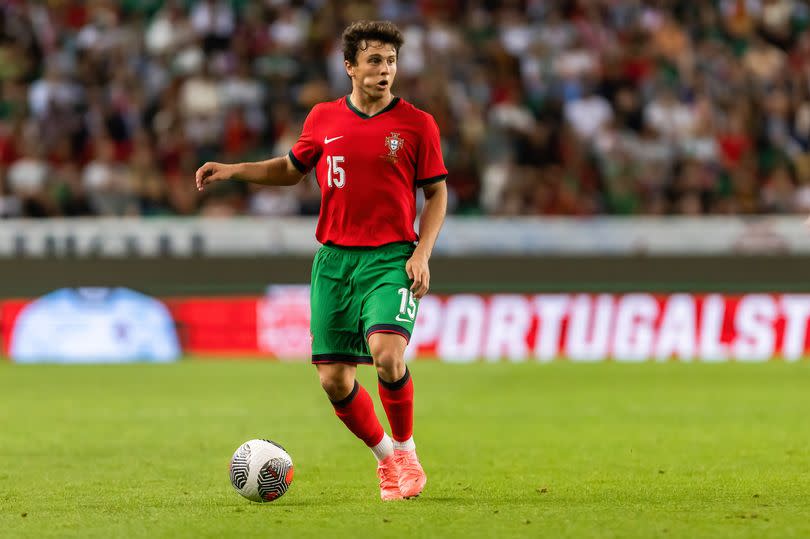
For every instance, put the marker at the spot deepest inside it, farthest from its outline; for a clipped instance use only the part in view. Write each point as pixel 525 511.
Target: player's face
pixel 375 69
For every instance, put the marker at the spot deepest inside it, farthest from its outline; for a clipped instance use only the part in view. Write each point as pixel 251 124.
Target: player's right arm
pixel 287 170
pixel 276 171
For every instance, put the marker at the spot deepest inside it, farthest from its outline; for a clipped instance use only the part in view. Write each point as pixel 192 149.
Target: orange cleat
pixel 388 472
pixel 412 477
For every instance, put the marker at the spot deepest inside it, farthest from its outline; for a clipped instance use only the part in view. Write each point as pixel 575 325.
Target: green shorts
pixel 355 293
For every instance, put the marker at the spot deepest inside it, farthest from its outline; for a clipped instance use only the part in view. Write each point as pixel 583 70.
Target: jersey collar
pixel 365 116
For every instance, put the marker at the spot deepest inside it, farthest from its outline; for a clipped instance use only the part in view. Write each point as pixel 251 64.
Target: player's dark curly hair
pixel 358 34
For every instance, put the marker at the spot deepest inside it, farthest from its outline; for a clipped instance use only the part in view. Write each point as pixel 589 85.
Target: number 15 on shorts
pixel 407 306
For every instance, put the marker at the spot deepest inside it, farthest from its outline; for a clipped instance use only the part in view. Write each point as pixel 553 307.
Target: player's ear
pixel 349 68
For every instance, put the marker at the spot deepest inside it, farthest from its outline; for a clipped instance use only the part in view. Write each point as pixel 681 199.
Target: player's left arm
pixel 429 225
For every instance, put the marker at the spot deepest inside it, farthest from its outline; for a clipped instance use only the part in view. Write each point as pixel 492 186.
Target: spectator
pixel 107 182
pixel 28 175
pixel 589 113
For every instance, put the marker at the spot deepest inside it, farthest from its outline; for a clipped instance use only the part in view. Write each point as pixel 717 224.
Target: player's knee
pixel 390 364
pixel 336 385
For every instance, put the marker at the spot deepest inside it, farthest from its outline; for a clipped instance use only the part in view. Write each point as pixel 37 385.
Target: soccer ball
pixel 261 470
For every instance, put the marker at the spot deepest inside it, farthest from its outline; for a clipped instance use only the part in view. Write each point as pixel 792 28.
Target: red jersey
pixel 368 169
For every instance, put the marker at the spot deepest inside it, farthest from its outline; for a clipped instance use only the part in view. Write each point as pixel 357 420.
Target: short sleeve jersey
pixel 368 169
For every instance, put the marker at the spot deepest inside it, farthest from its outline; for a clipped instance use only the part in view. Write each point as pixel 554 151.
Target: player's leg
pixel 388 313
pixel 396 393
pixel 394 384
pixel 337 348
pixel 353 406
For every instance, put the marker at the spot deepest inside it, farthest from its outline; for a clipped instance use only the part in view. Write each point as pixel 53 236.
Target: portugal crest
pixel 394 144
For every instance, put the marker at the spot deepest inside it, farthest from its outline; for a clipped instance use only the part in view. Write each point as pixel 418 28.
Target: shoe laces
pixel 387 474
pixel 408 462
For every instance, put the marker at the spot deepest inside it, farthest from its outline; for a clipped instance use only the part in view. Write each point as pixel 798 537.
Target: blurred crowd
pixel 566 107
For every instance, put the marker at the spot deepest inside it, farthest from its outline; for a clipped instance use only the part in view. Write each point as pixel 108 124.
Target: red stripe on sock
pixel 358 415
pixel 398 404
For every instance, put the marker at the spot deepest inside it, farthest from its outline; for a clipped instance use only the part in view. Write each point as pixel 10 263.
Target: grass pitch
pixel 511 450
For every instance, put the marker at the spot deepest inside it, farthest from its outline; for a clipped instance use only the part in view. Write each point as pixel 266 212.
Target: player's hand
pixel 212 172
pixel 419 272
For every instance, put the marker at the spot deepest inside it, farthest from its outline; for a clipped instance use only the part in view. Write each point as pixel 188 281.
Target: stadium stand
pixel 650 107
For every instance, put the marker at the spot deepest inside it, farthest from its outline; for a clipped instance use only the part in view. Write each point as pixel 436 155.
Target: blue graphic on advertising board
pixel 94 325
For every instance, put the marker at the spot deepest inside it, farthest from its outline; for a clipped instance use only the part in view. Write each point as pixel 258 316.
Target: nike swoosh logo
pixel 398 319
pixel 328 140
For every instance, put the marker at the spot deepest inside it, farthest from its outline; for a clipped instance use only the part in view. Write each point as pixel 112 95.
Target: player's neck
pixel 369 105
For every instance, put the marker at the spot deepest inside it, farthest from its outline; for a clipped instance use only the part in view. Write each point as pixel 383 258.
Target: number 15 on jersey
pixel 335 174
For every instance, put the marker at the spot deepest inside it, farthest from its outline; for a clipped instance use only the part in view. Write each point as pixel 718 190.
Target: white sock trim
pixel 407 445
pixel 383 449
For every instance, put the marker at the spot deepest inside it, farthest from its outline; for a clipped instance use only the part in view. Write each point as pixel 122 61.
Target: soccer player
pixel 370 150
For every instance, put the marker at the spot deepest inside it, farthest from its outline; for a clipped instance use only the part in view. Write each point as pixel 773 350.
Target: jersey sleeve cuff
pixel 428 181
pixel 297 164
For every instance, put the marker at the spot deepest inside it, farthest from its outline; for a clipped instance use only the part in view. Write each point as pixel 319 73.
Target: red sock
pixel 357 413
pixel 397 399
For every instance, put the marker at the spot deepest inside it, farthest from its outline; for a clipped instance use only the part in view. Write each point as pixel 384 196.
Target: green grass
pixel 511 450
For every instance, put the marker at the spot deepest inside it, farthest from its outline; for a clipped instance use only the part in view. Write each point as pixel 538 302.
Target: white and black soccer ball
pixel 261 470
